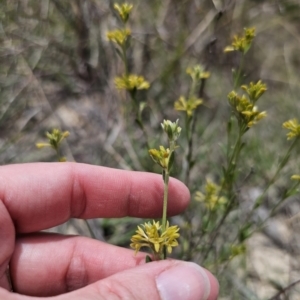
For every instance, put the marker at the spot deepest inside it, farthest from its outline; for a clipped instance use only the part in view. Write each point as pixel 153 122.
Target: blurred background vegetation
pixel 57 70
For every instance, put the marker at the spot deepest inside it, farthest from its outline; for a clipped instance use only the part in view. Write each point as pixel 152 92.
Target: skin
pixel 38 196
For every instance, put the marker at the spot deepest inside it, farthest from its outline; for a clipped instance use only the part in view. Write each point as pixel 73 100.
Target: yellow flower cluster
pixel 255 90
pixel 123 10
pixel 160 156
pixel 242 43
pixel 244 108
pixel 55 138
pixel 198 72
pixel 131 82
pixel 150 235
pixel 119 36
pixel 211 198
pixel 294 127
pixel 187 105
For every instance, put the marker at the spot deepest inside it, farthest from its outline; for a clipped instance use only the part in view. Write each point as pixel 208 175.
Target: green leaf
pixel 245 232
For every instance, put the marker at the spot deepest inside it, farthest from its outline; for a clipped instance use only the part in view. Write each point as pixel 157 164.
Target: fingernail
pixel 185 281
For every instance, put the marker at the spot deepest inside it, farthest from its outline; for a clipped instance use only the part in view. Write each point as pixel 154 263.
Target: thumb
pixel 162 280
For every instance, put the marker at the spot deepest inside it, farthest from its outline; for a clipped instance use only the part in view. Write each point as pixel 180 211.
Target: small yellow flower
pixel 55 138
pixel 249 34
pixel 242 43
pixel 187 105
pixel 211 198
pixel 131 82
pixel 161 156
pixel 123 10
pixel 294 128
pixel 170 236
pixel 245 110
pixel 150 235
pixel 198 72
pixel 119 36
pixel 255 90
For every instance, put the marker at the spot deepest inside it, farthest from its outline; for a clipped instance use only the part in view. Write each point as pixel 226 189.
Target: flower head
pixel 161 156
pixel 123 10
pixel 187 105
pixel 255 90
pixel 150 235
pixel 245 110
pixel 119 36
pixel 242 43
pixel 211 198
pixel 55 138
pixel 171 129
pixel 197 72
pixel 131 82
pixel 294 128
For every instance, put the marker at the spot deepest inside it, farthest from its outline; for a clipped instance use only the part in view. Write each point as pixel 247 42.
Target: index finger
pixel 42 195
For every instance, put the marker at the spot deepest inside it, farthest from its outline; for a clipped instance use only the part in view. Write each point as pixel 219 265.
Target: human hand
pixel 39 196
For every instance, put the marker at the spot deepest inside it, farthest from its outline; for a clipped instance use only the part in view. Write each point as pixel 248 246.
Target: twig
pixel 275 297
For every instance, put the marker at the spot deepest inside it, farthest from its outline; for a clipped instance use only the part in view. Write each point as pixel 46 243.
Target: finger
pixel 7 243
pixel 42 195
pixel 63 264
pixel 163 280
pixel 80 261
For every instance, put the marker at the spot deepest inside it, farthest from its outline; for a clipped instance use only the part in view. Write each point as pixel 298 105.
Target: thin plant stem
pixel 216 231
pixel 124 58
pixel 261 197
pixel 90 229
pixel 190 124
pixel 227 184
pixel 165 203
pixel 282 291
pixel 238 74
pixel 273 179
pixel 139 118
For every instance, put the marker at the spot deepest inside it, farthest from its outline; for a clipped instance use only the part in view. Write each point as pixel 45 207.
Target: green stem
pixel 273 179
pixel 227 184
pixel 139 117
pixel 58 154
pixel 216 231
pixel 259 200
pixel 193 88
pixel 125 59
pixel 165 203
pixel 165 207
pixel 231 164
pixel 238 74
pixel 190 124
